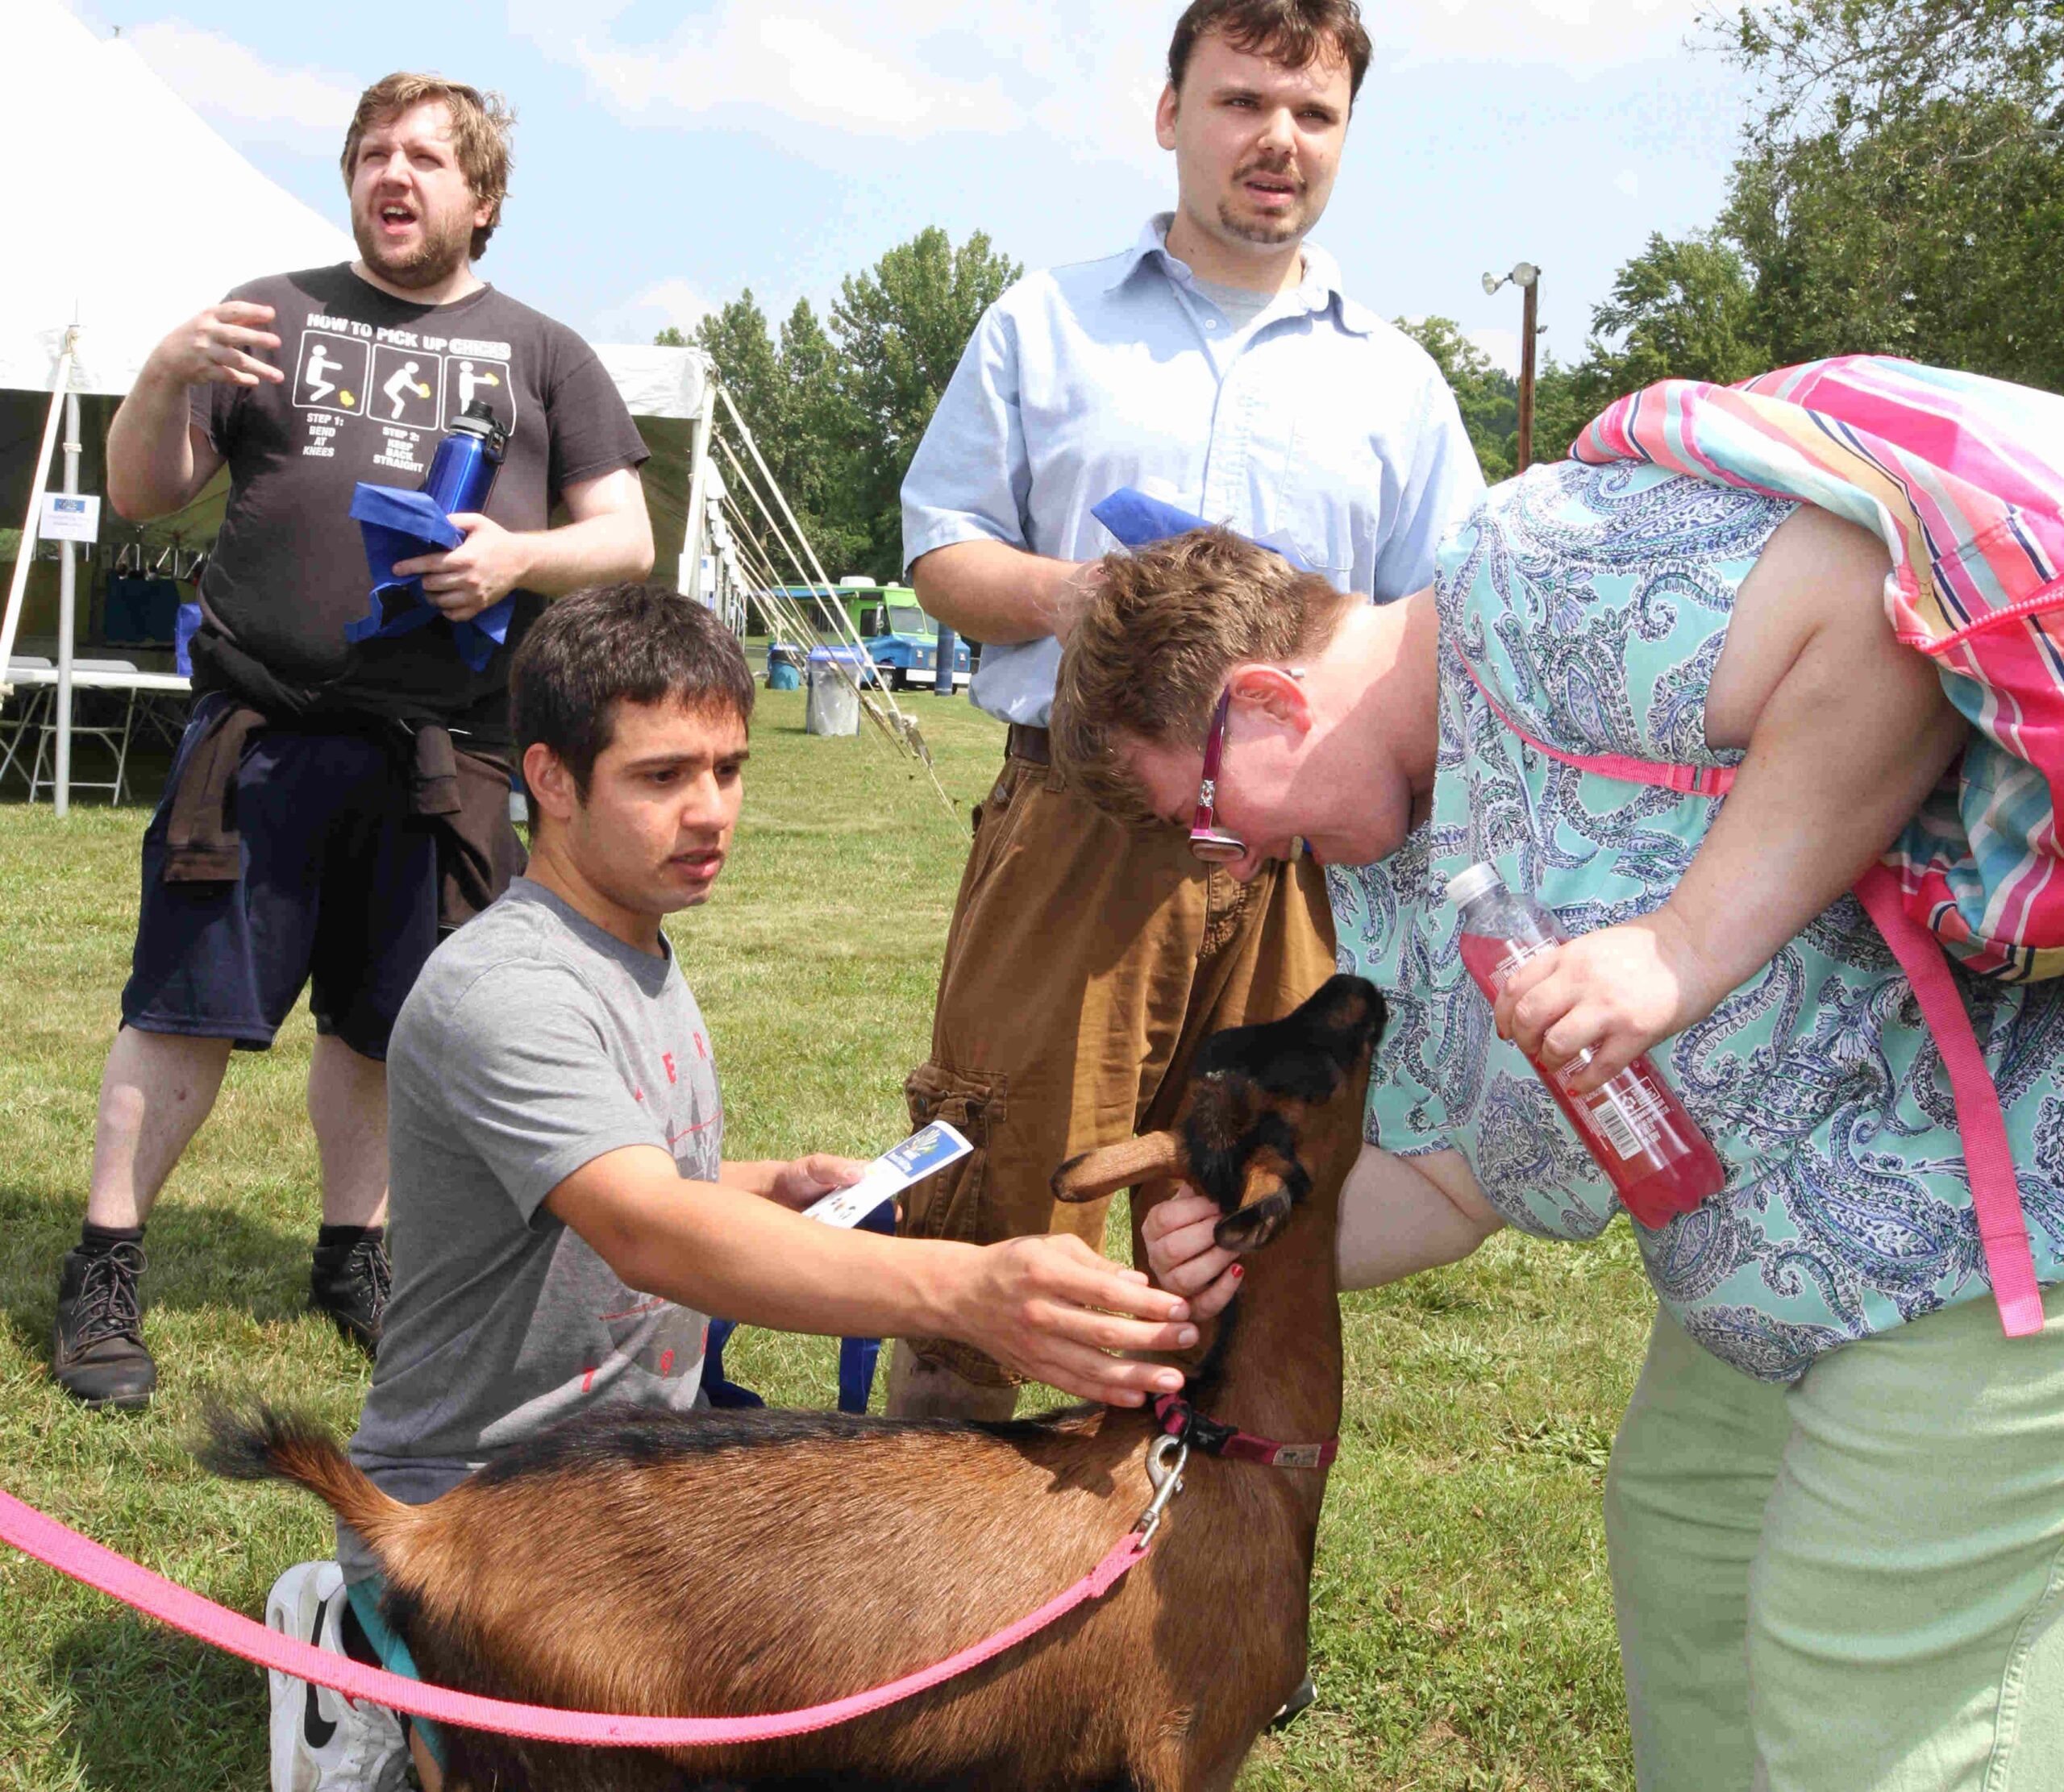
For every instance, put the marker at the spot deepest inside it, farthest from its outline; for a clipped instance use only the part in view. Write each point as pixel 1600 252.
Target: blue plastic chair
pixel 856 1356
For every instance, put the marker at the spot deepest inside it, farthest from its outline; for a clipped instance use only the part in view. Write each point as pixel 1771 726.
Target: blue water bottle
pixel 462 471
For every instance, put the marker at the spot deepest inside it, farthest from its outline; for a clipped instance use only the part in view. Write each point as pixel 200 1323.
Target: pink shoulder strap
pixel 1996 1194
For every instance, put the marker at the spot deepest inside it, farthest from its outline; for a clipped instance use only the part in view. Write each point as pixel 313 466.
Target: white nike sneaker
pixel 323 1741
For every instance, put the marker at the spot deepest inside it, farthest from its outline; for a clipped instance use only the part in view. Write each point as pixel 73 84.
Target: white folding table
pixel 87 674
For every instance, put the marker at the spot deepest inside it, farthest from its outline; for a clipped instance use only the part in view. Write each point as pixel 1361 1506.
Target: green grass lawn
pixel 1463 1633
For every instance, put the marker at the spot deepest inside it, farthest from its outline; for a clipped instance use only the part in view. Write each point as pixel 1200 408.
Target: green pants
pixel 1855 1584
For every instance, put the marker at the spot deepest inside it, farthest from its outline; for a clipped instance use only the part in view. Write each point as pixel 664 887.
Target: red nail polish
pixel 1237 1271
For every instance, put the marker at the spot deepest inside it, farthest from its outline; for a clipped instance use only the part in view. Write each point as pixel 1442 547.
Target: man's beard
pixel 439 255
pixel 1264 231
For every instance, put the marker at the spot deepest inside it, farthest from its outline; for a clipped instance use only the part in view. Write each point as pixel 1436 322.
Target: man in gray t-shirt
pixel 534 1042
pixel 563 1215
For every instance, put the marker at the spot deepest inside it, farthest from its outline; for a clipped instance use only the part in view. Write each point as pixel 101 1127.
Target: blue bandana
pixel 398 525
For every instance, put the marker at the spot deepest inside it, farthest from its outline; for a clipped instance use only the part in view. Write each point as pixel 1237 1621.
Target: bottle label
pixel 1627 1114
pixel 1516 955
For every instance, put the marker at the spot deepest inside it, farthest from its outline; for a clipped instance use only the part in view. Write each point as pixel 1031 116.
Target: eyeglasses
pixel 1208 841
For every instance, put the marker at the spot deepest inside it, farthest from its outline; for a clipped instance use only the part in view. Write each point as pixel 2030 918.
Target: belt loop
pixel 1032 745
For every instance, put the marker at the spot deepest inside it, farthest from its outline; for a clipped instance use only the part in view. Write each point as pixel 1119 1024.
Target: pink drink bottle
pixel 1658 1160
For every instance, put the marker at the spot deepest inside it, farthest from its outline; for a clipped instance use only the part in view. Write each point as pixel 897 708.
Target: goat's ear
pixel 1270 1193
pixel 1253 1225
pixel 1153 1156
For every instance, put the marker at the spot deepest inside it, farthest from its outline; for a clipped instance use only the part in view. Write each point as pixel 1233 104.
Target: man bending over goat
pixel 563 1216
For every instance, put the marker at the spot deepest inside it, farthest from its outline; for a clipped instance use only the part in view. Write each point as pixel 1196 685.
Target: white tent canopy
pixel 141 214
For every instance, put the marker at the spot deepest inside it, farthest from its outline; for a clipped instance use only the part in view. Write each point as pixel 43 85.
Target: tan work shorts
pixel 1084 965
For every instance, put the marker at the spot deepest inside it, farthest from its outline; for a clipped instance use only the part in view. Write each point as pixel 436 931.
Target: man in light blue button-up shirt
pixel 1218 364
pixel 1310 422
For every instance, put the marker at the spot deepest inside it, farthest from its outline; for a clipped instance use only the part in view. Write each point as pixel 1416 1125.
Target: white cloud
pixel 805 62
pixel 1628 182
pixel 232 85
pixel 1081 75
pixel 650 309
pixel 1080 71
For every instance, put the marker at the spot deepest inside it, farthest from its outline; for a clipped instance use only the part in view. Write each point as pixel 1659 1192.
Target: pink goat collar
pixel 1178 1419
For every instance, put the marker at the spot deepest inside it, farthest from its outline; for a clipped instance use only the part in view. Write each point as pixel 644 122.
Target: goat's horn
pixel 1150 1158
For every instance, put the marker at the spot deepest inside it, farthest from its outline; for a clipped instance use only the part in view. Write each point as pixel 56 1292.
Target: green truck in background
pixel 901 639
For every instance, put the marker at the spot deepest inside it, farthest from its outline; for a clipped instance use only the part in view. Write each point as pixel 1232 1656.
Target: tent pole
pixel 31 523
pixel 68 595
pixel 698 493
pixel 806 560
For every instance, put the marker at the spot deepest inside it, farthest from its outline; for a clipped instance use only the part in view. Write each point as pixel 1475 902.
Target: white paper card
pixel 933 1148
pixel 69 517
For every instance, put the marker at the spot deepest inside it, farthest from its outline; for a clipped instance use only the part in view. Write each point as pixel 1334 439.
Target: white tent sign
pixel 67 518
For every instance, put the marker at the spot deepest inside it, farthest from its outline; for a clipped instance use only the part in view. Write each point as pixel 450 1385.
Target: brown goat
pixel 719 1565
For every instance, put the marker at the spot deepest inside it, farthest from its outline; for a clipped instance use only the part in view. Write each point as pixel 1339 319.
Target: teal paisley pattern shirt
pixel 1593 603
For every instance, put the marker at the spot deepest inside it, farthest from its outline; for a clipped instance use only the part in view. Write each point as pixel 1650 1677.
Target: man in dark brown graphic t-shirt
pixel 331 803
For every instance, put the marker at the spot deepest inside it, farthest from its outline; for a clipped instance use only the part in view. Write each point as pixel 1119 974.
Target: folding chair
pixel 161 716
pixel 33 704
pixel 857 1356
pixel 116 738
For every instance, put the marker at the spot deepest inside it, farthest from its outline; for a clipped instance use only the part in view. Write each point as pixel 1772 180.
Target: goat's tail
pixel 261 1443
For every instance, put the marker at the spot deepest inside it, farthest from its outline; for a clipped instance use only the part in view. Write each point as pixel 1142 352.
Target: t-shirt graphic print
pixel 374 383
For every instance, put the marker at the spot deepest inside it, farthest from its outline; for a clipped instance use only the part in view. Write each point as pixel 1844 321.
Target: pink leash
pixel 1996 1194
pixel 93 1565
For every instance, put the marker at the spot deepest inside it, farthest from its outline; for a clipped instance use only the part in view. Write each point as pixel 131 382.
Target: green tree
pixel 670 338
pixel 824 441
pixel 1853 66
pixel 1487 395
pixel 900 328
pixel 1683 309
pixel 739 346
pixel 1901 188
pixel 738 341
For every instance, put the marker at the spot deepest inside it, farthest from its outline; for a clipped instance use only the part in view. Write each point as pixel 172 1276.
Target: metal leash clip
pixel 1164 1468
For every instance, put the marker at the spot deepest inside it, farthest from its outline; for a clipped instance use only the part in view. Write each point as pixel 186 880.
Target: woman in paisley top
pixel 1835 1514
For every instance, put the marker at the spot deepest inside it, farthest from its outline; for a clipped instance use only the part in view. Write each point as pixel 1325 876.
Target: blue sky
pixel 670 152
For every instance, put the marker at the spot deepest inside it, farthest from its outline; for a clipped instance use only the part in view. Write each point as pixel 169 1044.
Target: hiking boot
pixel 321 1740
pixel 350 1282
pixel 97 1353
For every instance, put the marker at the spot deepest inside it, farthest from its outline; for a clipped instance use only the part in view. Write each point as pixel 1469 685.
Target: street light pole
pixel 1527 334
pixel 1527 277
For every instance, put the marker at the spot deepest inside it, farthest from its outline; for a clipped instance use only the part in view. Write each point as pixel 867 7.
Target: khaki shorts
pixel 1084 965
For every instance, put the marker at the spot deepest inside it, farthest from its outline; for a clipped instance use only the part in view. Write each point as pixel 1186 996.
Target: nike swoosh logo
pixel 318 1729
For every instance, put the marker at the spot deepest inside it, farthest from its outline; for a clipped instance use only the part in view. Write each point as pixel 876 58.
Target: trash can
pixel 785 671
pixel 833 707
